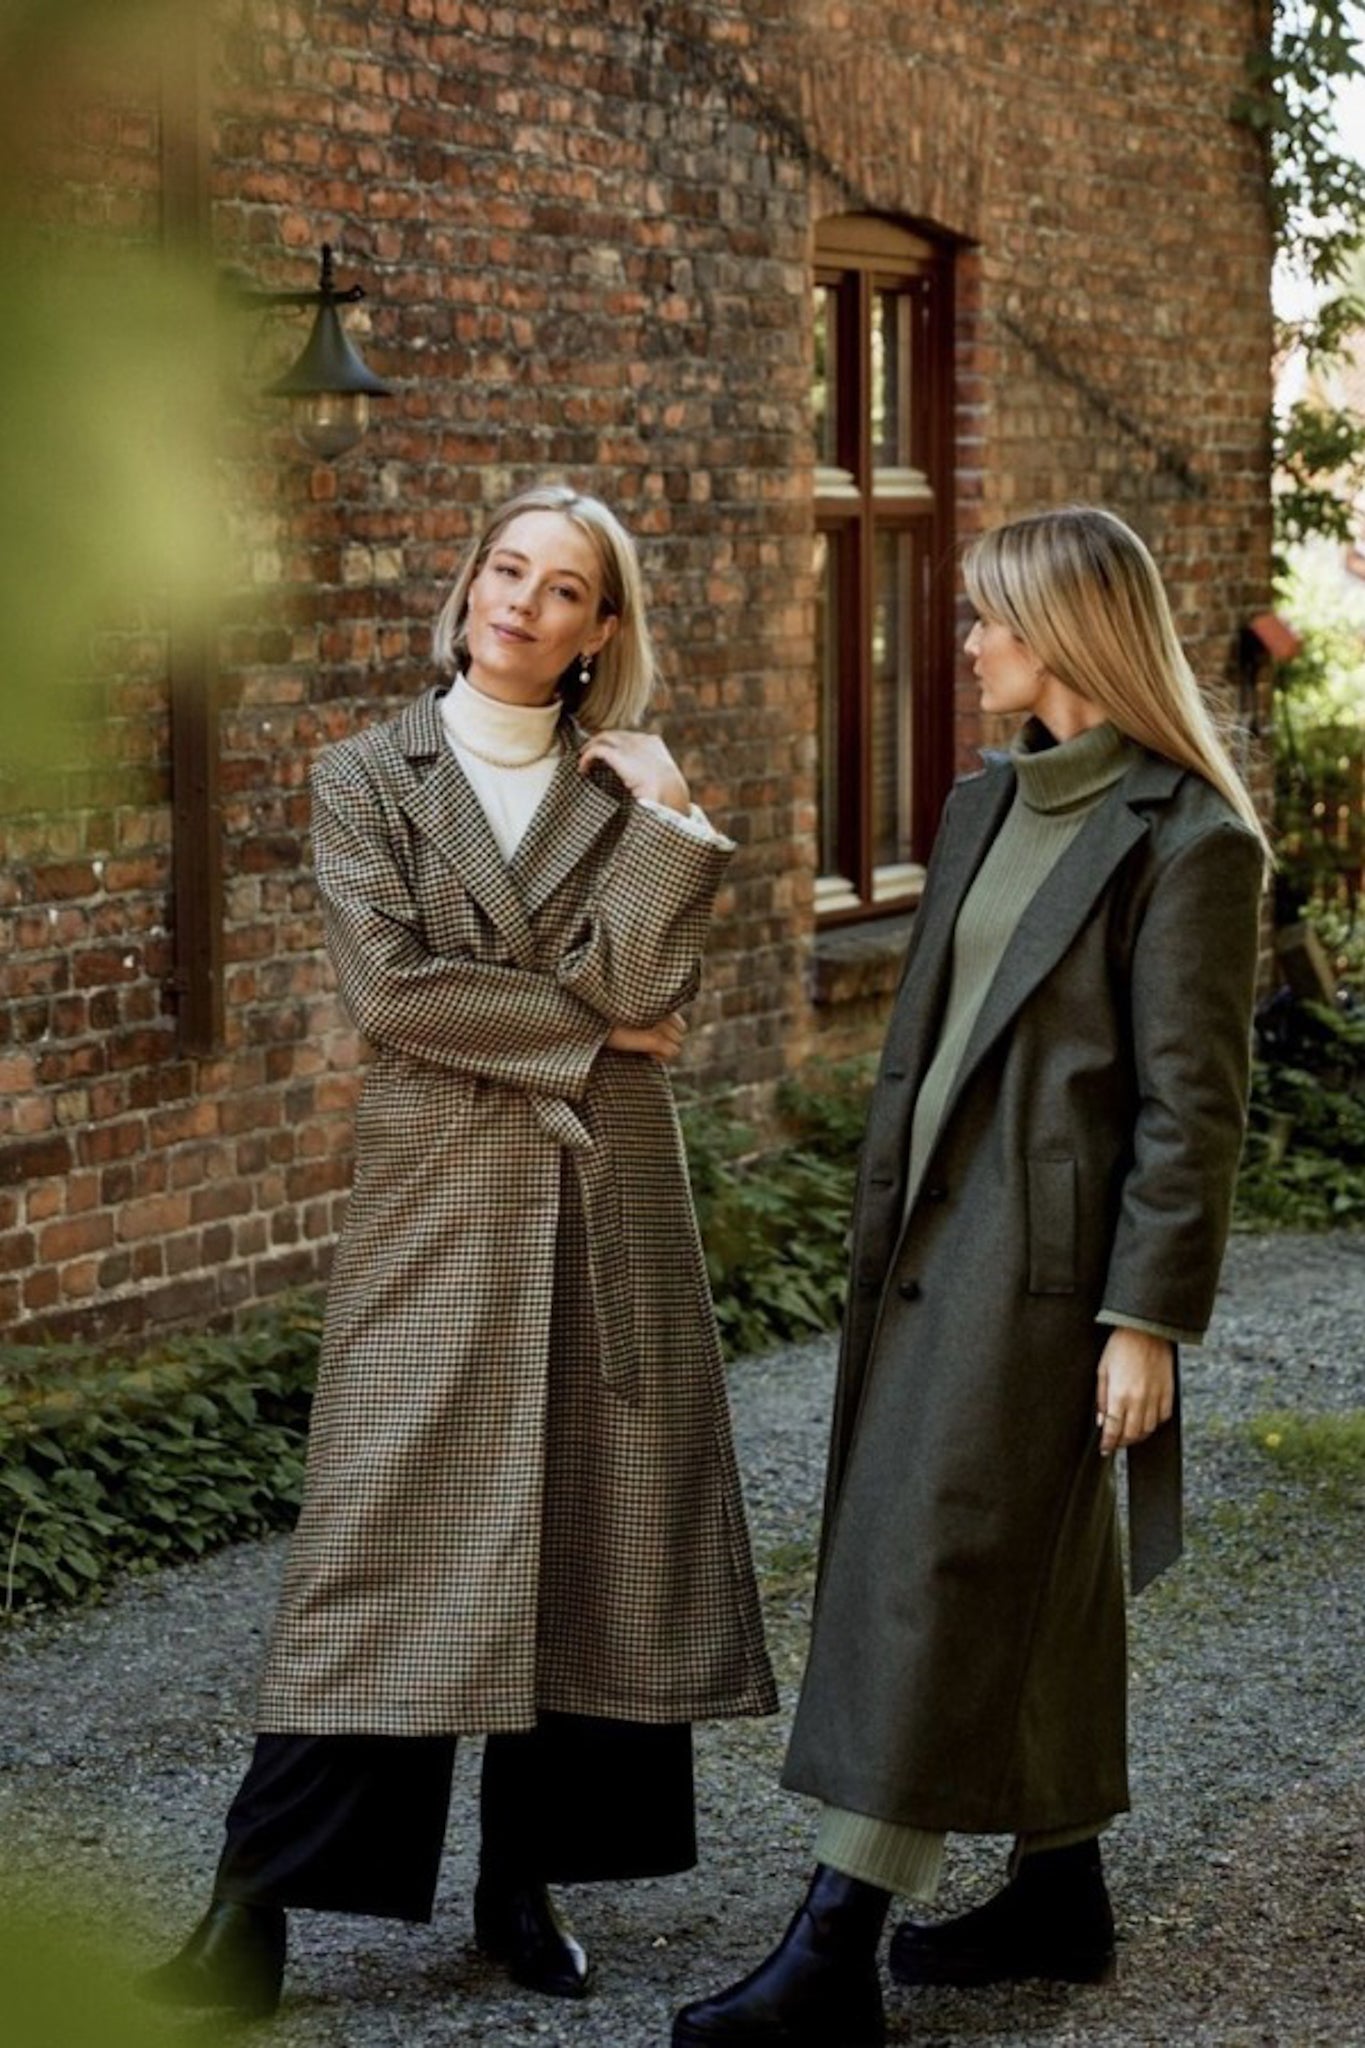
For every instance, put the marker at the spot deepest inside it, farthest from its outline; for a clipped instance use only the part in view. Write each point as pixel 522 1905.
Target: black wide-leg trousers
pixel 356 1823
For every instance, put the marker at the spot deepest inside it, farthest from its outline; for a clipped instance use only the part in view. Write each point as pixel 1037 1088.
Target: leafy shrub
pixel 774 1221
pixel 1320 811
pixel 108 1466
pixel 1304 1162
pixel 1319 753
pixel 1341 928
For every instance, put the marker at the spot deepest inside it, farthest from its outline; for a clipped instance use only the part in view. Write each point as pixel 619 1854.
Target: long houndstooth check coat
pixel 521 1489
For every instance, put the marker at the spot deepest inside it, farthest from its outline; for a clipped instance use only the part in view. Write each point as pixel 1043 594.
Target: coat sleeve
pixel 507 1024
pixel 637 954
pixel 1192 987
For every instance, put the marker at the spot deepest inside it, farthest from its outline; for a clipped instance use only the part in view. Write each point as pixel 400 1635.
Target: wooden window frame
pixel 196 983
pixel 856 256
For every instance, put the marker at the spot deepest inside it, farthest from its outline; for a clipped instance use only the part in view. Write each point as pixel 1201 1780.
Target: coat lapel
pixel 441 804
pixel 572 815
pixel 979 807
pixel 1063 903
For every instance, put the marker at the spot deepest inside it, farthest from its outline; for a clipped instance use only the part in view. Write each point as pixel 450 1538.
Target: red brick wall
pixel 586 232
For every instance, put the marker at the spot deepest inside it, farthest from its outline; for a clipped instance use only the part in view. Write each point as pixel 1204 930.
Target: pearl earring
pixel 584 671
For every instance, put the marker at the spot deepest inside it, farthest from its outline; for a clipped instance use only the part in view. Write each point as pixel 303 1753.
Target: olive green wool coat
pixel 967 1666
pixel 521 1492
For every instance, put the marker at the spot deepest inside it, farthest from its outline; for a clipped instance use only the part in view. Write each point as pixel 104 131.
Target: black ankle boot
pixel 234 1960
pixel 1053 1919
pixel 516 1924
pixel 818 1989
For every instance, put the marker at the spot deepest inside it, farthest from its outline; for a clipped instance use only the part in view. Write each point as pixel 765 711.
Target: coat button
pixel 908 1290
pixel 881 1180
pixel 936 1193
pixel 893 1073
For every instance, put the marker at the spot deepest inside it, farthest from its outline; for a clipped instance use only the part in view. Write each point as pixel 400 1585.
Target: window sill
pixel 855 963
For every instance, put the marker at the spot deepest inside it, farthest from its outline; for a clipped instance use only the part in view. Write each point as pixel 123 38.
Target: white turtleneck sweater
pixel 509 754
pixel 519 737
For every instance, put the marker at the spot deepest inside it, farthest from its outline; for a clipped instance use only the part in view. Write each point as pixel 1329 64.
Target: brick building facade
pixel 591 236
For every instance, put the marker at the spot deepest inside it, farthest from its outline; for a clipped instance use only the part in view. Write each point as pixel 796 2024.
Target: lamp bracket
pixel 324 293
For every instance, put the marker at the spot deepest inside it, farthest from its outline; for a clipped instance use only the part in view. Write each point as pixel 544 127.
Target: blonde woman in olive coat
pixel 521 1516
pixel 1043 1204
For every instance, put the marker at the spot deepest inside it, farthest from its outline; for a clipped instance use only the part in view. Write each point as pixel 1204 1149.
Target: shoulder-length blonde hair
pixel 623 672
pixel 1081 589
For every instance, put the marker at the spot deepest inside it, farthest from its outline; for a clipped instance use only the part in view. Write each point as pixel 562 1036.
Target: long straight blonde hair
pixel 1081 589
pixel 623 672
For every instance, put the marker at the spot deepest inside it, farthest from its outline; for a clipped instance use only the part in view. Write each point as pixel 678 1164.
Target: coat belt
pixel 608 1264
pixel 1155 1486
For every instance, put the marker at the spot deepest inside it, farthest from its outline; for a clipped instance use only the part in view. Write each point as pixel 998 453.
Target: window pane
pixel 914 313
pixel 824 391
pixel 895 626
pixel 890 379
pixel 827 674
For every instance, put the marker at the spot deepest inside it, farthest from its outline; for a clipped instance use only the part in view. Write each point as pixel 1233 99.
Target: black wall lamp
pixel 330 386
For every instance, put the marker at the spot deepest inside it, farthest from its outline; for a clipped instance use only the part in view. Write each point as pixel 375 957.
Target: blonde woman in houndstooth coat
pixel 522 1516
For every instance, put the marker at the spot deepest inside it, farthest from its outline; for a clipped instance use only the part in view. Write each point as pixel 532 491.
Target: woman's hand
pixel 661 1041
pixel 1135 1390
pixel 644 764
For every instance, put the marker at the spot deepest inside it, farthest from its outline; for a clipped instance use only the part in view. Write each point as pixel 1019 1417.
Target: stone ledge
pixel 855 962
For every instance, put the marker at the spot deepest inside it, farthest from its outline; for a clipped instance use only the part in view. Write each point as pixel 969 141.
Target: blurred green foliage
pixel 63 1990
pixel 109 378
pixel 106 414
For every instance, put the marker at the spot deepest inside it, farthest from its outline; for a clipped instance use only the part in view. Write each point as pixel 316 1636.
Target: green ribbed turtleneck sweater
pixel 1058 786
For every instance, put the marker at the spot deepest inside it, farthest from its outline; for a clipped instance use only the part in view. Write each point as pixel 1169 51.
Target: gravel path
pixel 1239 1880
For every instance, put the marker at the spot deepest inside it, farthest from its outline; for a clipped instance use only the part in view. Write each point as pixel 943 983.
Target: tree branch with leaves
pixel 1317 196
